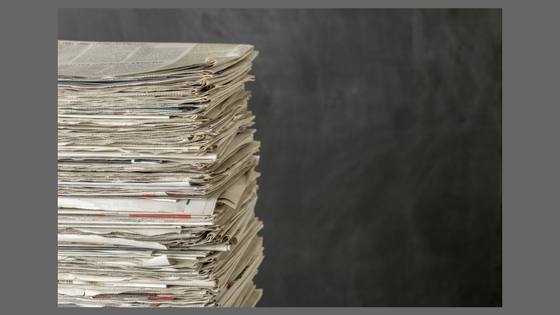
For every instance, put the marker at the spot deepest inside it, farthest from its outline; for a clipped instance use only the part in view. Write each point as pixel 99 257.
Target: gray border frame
pixel 529 219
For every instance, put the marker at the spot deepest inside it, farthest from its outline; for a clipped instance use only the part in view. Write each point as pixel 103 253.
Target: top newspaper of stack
pixel 153 119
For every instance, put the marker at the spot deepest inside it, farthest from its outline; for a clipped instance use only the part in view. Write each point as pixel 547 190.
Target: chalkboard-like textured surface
pixel 381 146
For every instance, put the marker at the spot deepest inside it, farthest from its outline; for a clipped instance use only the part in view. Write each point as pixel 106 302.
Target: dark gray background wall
pixel 381 146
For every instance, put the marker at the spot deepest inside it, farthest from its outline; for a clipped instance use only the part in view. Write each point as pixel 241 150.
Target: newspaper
pixel 97 60
pixel 157 185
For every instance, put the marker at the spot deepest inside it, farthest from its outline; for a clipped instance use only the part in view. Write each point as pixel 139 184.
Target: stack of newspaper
pixel 156 176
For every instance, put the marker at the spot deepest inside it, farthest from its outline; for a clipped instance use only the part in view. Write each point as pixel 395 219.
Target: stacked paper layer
pixel 156 176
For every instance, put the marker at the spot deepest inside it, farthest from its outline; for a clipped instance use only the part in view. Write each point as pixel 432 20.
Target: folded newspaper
pixel 156 176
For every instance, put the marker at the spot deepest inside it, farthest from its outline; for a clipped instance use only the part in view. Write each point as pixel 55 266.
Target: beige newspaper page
pixel 113 59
